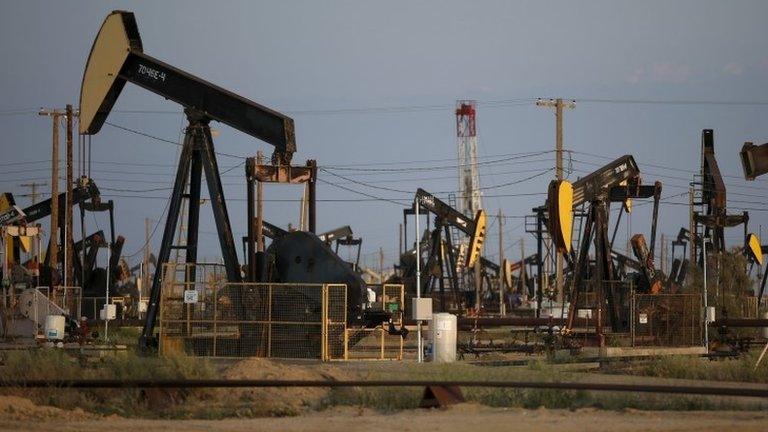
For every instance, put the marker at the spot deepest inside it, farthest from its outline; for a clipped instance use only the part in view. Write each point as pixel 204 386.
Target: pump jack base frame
pixel 197 155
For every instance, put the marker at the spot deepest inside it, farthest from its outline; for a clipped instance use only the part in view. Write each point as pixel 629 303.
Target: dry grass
pixel 394 399
pixel 57 364
pixel 741 369
pixel 216 403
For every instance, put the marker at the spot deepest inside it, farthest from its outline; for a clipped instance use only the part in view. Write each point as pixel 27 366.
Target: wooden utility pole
pixel 400 244
pixel 691 229
pixel 303 208
pixel 381 265
pixel 145 261
pixel 522 266
pixel 68 237
pixel 502 305
pixel 558 104
pixel 54 250
pixel 33 190
pixel 259 209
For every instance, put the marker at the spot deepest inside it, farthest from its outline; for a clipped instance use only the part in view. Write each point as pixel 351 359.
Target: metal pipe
pixel 106 301
pixel 312 196
pixel 468 322
pixel 706 327
pixel 753 391
pixel 740 322
pixel 250 199
pixel 420 354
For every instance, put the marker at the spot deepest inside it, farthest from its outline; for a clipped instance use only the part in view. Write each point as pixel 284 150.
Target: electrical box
pixel 710 314
pixel 108 312
pixel 421 308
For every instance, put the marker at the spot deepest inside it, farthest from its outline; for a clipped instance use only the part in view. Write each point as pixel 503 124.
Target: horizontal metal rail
pixel 740 322
pixel 755 391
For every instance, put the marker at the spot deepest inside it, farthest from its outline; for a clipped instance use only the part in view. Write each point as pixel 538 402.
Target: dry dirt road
pixel 461 418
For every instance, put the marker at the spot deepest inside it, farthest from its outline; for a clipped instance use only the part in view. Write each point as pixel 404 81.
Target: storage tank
pixel 443 329
pixel 54 327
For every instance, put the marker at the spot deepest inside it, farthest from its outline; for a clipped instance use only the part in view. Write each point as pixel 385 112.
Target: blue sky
pixel 332 65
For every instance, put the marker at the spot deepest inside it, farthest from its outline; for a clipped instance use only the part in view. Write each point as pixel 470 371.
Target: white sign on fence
pixel 643 318
pixel 190 296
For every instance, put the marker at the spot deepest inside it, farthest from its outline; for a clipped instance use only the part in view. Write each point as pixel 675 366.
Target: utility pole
pixel 502 305
pixel 68 237
pixel 54 250
pixel 259 210
pixel 522 266
pixel 558 104
pixel 145 261
pixel 691 228
pixel 381 265
pixel 663 258
pixel 33 190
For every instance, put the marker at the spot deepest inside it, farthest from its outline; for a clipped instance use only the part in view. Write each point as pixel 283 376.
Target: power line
pixel 503 103
pixel 514 182
pixel 369 172
pixel 522 154
pixel 361 193
pixel 154 229
pixel 454 166
pixel 156 138
pixel 674 102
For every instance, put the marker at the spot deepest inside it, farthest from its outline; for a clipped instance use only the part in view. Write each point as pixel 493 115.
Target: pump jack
pixel 446 217
pixel 117 57
pixel 754 161
pixel 715 218
pixel 84 194
pixel 617 181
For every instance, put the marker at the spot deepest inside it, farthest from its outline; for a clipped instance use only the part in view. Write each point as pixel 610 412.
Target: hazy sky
pixel 333 65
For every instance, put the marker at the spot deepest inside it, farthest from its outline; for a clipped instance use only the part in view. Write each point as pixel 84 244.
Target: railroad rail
pixel 752 391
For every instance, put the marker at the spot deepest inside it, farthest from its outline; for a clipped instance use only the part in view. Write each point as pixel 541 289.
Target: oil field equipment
pixel 714 217
pixel 300 256
pixel 117 57
pixel 86 195
pixel 442 256
pixel 617 181
pixel 754 161
pixel 339 236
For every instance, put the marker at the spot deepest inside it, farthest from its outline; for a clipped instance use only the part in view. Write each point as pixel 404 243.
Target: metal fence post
pixel 323 322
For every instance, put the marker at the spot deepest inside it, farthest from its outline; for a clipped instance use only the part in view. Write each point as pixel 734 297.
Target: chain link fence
pixel 201 314
pixel 732 306
pixel 377 343
pixel 666 320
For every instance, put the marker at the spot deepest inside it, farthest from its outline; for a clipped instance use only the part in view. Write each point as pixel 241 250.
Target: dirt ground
pixel 458 418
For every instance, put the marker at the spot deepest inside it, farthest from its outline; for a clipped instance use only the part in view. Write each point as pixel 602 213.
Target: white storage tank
pixel 54 327
pixel 443 329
